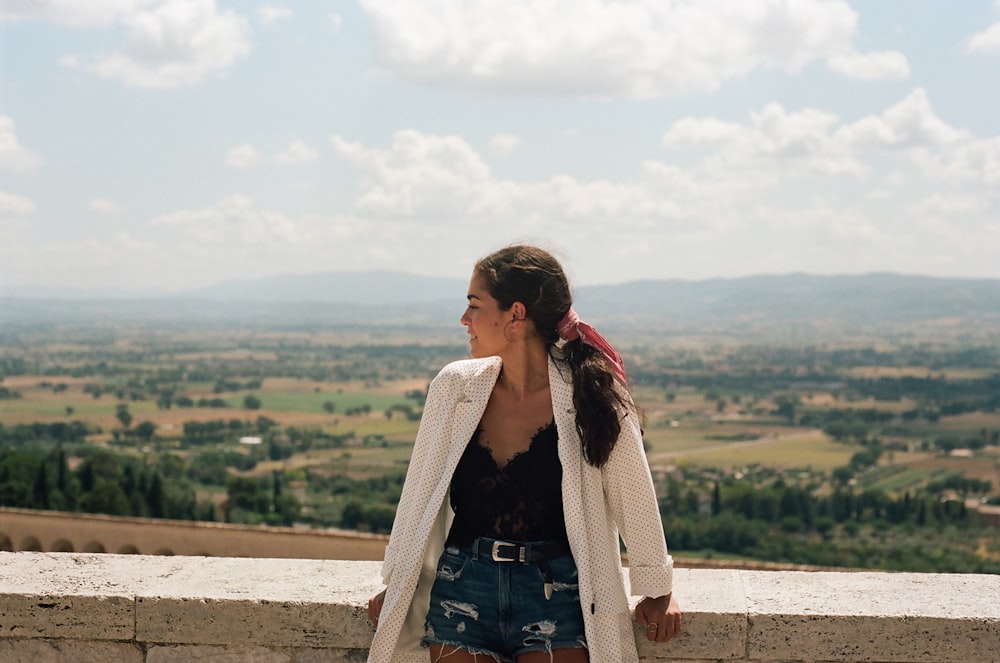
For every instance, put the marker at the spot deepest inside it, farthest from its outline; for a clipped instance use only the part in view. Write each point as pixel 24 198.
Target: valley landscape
pixel 848 423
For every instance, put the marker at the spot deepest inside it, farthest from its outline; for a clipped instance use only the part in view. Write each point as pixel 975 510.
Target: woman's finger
pixel 375 608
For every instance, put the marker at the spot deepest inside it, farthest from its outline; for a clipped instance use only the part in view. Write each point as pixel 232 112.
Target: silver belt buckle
pixel 498 558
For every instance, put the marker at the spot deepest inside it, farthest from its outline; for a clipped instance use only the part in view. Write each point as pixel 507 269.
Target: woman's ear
pixel 518 311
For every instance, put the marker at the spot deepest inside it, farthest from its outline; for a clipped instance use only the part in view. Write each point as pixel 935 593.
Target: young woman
pixel 527 467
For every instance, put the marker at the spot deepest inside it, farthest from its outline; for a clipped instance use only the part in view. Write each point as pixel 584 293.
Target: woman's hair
pixel 535 278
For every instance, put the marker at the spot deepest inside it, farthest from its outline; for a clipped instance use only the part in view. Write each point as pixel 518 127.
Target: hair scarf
pixel 571 328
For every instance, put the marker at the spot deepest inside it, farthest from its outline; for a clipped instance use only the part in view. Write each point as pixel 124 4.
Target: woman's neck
pixel 525 372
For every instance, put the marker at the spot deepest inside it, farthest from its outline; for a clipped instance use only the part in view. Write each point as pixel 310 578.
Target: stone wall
pixel 101 608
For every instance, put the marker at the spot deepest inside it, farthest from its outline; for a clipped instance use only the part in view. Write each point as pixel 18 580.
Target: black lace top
pixel 521 501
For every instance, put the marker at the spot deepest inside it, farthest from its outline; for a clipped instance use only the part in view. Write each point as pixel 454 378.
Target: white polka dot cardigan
pixel 599 504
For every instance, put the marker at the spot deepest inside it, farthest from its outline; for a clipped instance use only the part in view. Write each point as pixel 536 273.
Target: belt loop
pixel 475 548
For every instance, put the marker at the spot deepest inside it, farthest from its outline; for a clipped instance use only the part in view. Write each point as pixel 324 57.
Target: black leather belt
pixel 523 553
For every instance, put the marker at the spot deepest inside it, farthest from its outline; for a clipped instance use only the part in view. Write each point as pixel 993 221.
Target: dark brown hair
pixel 534 277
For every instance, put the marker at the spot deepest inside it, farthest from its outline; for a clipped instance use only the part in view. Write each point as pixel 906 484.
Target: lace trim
pixel 478 441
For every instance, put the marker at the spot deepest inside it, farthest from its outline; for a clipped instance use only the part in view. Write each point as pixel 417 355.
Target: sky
pixel 166 145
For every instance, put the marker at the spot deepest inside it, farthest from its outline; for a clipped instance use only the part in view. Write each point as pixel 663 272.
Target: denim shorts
pixel 499 608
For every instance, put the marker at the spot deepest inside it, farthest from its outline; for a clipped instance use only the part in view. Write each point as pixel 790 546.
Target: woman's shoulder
pixel 465 369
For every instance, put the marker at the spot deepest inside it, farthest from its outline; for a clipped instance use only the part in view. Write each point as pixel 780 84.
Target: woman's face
pixel 484 321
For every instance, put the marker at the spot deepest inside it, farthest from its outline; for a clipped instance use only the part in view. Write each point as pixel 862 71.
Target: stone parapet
pixel 101 608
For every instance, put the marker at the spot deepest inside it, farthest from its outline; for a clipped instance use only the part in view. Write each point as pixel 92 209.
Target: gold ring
pixel 652 626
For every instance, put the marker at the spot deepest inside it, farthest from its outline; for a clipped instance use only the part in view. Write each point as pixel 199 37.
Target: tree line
pixel 791 526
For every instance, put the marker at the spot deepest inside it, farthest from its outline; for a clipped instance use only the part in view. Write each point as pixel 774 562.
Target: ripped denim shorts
pixel 500 609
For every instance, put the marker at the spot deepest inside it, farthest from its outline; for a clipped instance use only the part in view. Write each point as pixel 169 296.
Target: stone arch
pixel 62 545
pixel 94 547
pixel 128 549
pixel 166 552
pixel 6 545
pixel 32 544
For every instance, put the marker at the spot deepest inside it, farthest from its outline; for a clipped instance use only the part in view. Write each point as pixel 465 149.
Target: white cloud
pixel 89 262
pixel 18 258
pixel 971 161
pixel 603 48
pixel 802 137
pixel 695 132
pixel 987 41
pixel 755 195
pixel 908 159
pixel 270 15
pixel 504 143
pixel 13 156
pixel 906 140
pixel 190 248
pixel 74 13
pixel 885 65
pixel 423 175
pixel 296 153
pixel 233 220
pixel 910 123
pixel 949 205
pixel 70 61
pixel 104 206
pixel 243 157
pixel 172 43
pixel 246 156
pixel 336 20
pixel 12 205
pixel 444 183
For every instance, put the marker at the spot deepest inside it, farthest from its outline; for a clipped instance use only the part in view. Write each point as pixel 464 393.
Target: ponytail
pixel 599 401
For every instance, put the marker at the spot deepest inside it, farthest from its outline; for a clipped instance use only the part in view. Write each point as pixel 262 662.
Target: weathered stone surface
pixel 329 656
pixel 882 617
pixel 54 595
pixel 85 617
pixel 273 602
pixel 16 650
pixel 215 654
pixel 99 608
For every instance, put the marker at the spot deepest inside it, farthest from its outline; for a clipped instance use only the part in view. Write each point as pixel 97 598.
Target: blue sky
pixel 171 144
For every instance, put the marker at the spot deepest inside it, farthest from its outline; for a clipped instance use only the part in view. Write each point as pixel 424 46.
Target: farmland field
pixel 335 424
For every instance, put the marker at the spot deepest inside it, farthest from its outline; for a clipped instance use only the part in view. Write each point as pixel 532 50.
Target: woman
pixel 527 466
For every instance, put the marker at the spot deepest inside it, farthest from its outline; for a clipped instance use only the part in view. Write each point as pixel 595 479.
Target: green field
pixel 768 428
pixel 312 402
pixel 789 451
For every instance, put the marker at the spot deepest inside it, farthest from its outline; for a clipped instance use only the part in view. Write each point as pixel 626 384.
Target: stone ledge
pixel 82 607
pixel 903 616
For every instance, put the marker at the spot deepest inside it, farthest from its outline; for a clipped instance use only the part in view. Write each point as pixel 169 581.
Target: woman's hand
pixel 660 616
pixel 375 608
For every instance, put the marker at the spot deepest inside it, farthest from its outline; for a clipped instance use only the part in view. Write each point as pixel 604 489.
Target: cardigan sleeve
pixel 411 500
pixel 631 498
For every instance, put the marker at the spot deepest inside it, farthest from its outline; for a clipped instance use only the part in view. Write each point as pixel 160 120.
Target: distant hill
pixel 871 302
pixel 373 287
pixel 366 288
pixel 782 306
